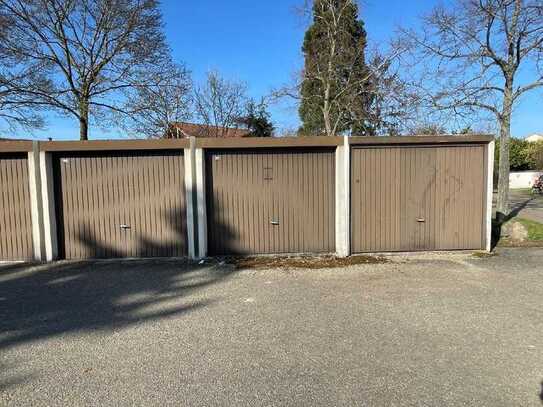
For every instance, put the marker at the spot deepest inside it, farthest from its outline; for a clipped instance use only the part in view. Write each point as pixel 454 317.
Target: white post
pixel 490 192
pixel 201 202
pixel 343 199
pixel 35 202
pixel 189 197
pixel 48 206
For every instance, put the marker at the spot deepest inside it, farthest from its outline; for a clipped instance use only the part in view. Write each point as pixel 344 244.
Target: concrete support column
pixel 343 199
pixel 190 193
pixel 201 202
pixel 50 238
pixel 489 192
pixel 42 202
pixel 36 212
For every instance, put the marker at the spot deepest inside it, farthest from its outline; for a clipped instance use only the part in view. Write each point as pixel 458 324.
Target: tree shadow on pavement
pixel 44 301
pixel 48 301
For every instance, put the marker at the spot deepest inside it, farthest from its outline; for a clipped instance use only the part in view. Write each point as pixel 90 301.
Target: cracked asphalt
pixel 425 330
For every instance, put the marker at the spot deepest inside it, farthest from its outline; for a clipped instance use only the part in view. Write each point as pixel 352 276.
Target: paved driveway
pixel 525 205
pixel 529 206
pixel 448 330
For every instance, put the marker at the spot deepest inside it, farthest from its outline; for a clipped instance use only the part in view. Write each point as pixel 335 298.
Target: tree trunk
pixel 327 123
pixel 84 120
pixel 502 206
pixel 326 110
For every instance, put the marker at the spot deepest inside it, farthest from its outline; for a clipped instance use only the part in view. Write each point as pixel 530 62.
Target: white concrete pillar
pixel 201 202
pixel 42 197
pixel 48 206
pixel 343 199
pixel 34 181
pixel 490 192
pixel 190 196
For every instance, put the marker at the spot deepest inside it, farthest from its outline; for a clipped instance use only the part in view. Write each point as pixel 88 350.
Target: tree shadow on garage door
pixel 145 235
pixel 48 301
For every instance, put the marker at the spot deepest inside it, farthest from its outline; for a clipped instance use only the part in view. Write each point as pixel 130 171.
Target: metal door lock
pixel 275 222
pixel 125 226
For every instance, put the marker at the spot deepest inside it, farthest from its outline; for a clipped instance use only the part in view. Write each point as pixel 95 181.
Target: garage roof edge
pixel 11 146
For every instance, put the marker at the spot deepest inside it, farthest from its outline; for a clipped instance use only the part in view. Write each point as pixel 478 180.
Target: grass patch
pixel 535 229
pixel 522 190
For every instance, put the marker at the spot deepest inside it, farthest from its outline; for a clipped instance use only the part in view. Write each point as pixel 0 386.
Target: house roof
pixel 534 137
pixel 181 129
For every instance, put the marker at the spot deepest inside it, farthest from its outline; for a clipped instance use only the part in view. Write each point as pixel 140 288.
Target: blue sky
pixel 259 42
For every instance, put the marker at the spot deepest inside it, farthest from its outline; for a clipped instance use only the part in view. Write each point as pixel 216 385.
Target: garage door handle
pixel 275 222
pixel 125 226
pixel 421 220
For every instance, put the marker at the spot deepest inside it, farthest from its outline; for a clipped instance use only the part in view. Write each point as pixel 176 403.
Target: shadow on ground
pixel 47 301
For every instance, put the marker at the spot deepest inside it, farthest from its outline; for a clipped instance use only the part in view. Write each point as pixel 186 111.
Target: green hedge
pixel 523 156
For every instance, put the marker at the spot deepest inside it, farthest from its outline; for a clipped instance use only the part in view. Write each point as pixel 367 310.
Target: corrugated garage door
pixel 418 198
pixel 121 205
pixel 270 201
pixel 15 216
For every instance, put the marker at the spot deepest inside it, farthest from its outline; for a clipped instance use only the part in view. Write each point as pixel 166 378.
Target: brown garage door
pixel 121 205
pixel 270 201
pixel 417 198
pixel 15 216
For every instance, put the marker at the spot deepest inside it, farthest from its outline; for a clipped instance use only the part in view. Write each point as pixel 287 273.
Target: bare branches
pixel 219 103
pixel 90 50
pixel 468 58
pixel 158 107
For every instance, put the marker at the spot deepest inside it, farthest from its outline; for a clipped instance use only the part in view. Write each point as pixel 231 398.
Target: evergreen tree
pixel 257 120
pixel 336 94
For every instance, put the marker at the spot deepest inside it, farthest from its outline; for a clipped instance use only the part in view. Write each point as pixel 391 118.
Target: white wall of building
pixel 523 179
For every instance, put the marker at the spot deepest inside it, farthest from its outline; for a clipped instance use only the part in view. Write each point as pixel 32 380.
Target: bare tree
pixel 92 51
pixel 219 103
pixel 17 108
pixel 156 108
pixel 470 57
pixel 395 109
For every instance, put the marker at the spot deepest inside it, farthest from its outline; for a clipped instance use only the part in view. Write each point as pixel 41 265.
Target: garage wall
pixel 15 213
pixel 270 201
pixel 418 198
pixel 121 204
pixel 127 198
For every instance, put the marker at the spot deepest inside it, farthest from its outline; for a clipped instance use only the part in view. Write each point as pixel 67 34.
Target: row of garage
pixel 140 198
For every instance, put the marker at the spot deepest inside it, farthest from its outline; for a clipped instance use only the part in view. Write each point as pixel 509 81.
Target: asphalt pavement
pixel 429 330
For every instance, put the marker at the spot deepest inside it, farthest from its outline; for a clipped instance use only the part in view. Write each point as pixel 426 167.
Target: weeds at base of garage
pixel 483 255
pixel 300 262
